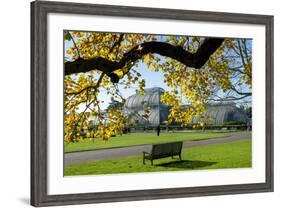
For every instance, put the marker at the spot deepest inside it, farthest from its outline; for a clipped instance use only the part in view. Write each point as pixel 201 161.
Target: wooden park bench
pixel 163 150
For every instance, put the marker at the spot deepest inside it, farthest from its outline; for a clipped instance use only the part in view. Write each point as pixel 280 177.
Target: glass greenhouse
pixel 148 110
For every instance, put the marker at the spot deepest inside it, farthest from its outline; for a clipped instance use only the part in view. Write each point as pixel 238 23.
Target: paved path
pixel 108 154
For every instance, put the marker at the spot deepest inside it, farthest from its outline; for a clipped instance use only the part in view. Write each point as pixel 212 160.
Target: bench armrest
pixel 146 153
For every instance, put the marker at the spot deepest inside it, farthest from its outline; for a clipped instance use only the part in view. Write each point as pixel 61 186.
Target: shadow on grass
pixel 192 164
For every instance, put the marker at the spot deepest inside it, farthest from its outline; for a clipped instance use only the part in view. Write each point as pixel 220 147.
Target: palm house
pixel 136 108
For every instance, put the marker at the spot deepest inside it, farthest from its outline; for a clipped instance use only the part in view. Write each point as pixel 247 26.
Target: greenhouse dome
pixel 224 113
pixel 136 106
pixel 151 97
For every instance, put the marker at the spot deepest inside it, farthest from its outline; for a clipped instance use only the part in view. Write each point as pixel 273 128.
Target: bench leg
pixel 151 162
pixel 180 156
pixel 143 161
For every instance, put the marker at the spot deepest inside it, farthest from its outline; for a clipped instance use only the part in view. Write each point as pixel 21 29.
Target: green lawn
pixel 213 156
pixel 138 139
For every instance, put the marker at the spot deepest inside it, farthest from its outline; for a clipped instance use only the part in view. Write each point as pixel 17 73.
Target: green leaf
pixel 67 36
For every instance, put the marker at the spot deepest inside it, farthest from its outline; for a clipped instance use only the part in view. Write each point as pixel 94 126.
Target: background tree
pixel 196 69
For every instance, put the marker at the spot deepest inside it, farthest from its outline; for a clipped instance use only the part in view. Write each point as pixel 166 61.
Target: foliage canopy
pixel 198 69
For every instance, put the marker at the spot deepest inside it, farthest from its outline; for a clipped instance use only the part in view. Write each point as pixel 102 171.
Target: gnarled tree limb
pixel 195 60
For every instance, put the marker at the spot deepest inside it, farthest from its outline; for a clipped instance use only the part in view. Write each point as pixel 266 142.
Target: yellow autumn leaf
pixel 119 72
pixel 69 52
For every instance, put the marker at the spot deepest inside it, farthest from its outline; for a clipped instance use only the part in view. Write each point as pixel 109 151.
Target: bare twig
pixel 78 52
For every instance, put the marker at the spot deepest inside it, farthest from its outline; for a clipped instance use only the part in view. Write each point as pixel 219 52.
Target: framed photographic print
pixel 131 103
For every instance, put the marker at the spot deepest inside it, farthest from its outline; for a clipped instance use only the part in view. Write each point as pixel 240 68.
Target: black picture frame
pixel 39 98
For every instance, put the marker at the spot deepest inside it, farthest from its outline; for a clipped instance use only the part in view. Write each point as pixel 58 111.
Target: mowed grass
pixel 134 139
pixel 213 156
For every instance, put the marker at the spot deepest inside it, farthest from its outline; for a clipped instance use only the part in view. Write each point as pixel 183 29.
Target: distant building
pixel 136 106
pixel 223 113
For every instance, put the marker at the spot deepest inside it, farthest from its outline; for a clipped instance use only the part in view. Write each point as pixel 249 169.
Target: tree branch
pixel 241 93
pixel 237 69
pixel 195 60
pixel 80 91
pixel 230 98
pixel 91 102
pixel 78 52
pixel 117 43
